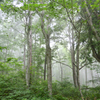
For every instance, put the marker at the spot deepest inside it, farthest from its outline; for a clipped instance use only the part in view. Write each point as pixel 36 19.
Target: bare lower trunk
pixel 71 39
pixel 92 78
pixel 29 52
pixel 78 80
pixel 48 50
pixel 61 72
pixel 45 66
pixel 24 57
pixel 73 61
pixel 77 61
pixel 74 75
pixel 49 69
pixel 86 75
pixel 30 60
pixel 27 69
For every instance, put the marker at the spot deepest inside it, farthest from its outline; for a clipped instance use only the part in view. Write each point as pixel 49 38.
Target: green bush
pixel 65 89
pixel 39 89
pixel 13 86
pixel 59 97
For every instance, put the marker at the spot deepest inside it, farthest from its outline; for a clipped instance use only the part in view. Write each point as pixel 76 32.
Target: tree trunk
pixel 77 60
pixel 24 56
pixel 49 69
pixel 73 61
pixel 28 63
pixel 61 69
pixel 71 39
pixel 48 50
pixel 92 78
pixel 78 80
pixel 73 67
pixel 86 75
pixel 45 66
pixel 29 51
pixel 61 73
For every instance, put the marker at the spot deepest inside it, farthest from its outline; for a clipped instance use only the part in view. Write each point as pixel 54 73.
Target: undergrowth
pixel 14 88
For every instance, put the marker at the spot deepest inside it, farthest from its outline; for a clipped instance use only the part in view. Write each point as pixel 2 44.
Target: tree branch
pixel 68 16
pixel 85 65
pixel 90 22
pixel 62 63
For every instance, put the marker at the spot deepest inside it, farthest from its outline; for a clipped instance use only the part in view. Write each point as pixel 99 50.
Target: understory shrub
pixel 65 90
pixel 13 87
pixel 91 93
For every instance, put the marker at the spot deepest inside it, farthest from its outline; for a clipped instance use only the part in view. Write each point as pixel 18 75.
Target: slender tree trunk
pixel 71 39
pixel 29 51
pixel 30 55
pixel 34 58
pixel 48 51
pixel 92 78
pixel 73 61
pixel 77 60
pixel 73 66
pixel 73 52
pixel 45 66
pixel 86 79
pixel 28 63
pixel 49 69
pixel 98 77
pixel 24 57
pixel 61 69
pixel 86 75
pixel 78 81
pixel 61 72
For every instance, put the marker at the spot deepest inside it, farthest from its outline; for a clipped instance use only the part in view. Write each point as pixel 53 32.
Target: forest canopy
pixel 49 49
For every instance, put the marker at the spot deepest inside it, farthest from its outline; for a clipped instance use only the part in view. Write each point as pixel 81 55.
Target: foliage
pixel 64 90
pixel 91 93
pixel 13 87
pixel 12 83
pixel 12 76
pixel 39 88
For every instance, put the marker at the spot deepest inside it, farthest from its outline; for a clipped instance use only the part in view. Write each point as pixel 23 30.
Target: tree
pixel 48 49
pixel 91 10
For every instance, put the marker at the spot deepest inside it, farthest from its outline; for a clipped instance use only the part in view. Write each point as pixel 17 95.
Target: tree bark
pixel 73 60
pixel 72 51
pixel 93 85
pixel 73 66
pixel 24 56
pixel 77 60
pixel 49 69
pixel 86 75
pixel 48 51
pixel 61 72
pixel 45 66
pixel 29 51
